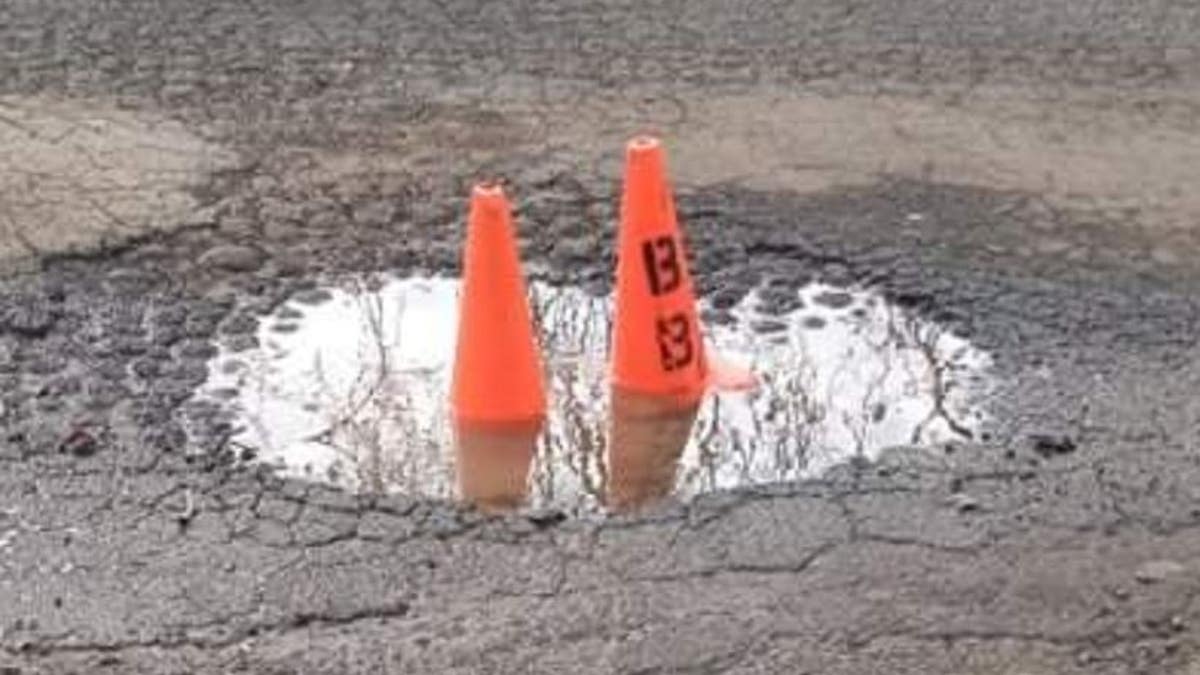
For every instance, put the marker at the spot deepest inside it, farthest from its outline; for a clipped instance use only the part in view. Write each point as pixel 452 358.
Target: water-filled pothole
pixel 350 386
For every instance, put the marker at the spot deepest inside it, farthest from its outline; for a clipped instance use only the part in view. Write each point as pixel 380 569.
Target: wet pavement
pixel 1016 174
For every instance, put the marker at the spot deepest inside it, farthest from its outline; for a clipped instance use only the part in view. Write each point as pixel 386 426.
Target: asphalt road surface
pixel 1021 171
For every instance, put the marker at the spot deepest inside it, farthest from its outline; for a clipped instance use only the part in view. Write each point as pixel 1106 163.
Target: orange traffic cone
pixel 657 348
pixel 498 398
pixel 659 368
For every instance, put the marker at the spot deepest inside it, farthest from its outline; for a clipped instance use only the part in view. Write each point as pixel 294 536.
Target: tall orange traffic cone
pixel 657 349
pixel 661 370
pixel 498 397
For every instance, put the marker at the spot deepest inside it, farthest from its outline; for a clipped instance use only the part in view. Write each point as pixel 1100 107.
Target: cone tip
pixel 488 188
pixel 644 143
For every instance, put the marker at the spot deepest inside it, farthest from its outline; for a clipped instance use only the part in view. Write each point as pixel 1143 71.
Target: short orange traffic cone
pixel 659 369
pixel 498 397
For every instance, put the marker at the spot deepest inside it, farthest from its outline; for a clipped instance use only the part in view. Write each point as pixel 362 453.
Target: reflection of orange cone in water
pixel 497 397
pixel 646 438
pixel 660 369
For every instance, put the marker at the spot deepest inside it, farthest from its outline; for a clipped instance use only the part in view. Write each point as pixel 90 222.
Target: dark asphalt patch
pixel 147 337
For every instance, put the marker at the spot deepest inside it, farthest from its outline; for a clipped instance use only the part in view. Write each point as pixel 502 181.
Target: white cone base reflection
pixel 354 390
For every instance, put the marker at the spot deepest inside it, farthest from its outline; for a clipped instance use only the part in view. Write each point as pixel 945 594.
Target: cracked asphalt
pixel 1022 172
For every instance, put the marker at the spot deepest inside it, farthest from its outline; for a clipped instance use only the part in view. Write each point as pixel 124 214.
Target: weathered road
pixel 1023 171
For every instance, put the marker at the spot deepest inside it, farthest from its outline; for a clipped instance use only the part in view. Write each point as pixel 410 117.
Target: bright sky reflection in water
pixel 353 390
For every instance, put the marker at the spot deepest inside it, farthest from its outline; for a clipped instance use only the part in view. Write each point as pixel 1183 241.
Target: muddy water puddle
pixel 350 386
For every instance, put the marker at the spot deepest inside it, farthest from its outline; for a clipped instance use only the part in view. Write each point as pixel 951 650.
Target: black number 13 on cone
pixel 674 332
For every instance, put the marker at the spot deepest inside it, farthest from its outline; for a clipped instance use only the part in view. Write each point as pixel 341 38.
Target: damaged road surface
pixel 1019 174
